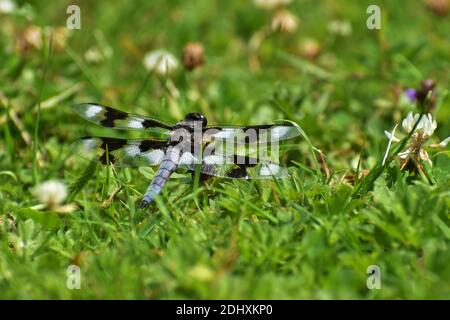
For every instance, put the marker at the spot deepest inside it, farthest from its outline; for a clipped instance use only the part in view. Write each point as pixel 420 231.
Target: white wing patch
pixel 270 169
pixel 135 124
pixel 154 156
pixel 275 133
pixel 92 111
pixel 280 132
pixel 90 144
pixel 187 158
pixel 132 150
pixel 213 159
pixel 224 134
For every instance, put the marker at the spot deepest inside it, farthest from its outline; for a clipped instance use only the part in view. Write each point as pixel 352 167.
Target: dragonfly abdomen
pixel 168 165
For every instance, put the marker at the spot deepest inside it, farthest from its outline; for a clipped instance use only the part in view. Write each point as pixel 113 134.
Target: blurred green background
pixel 304 238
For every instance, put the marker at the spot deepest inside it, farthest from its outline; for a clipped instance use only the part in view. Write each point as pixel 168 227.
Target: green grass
pixel 308 236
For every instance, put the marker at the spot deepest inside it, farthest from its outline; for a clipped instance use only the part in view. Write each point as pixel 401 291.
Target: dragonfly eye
pixel 197 117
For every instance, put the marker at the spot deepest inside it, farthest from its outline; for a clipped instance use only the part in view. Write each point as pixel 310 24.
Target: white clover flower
pixel 425 127
pixel 161 62
pixel 51 193
pixel 409 121
pixel 423 131
pixel 7 6
pixel 270 4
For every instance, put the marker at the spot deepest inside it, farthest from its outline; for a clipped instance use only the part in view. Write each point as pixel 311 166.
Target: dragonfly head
pixel 196 117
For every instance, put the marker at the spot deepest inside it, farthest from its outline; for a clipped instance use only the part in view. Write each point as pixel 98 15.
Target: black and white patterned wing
pixel 253 134
pixel 121 152
pixel 242 168
pixel 113 118
pixel 234 166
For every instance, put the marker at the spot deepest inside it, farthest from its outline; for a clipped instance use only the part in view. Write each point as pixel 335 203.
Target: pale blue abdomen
pixel 168 165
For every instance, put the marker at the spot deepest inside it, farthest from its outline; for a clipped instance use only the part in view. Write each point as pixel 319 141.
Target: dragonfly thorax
pixel 194 116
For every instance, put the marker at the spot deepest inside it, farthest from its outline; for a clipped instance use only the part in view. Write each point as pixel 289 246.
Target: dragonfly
pixel 236 152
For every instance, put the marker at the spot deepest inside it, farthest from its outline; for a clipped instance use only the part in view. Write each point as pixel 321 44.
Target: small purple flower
pixel 411 94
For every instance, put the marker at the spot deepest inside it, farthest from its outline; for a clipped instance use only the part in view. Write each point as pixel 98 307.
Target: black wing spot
pixel 239 172
pixel 112 143
pixel 110 157
pixel 111 115
pixel 146 145
pixel 108 145
pixel 150 123
pixel 244 160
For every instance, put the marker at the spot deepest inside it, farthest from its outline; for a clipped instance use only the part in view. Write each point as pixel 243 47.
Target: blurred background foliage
pixel 302 238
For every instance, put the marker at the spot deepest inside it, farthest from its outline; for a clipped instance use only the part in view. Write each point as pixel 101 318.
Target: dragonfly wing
pixel 254 134
pixel 121 152
pixel 234 166
pixel 113 118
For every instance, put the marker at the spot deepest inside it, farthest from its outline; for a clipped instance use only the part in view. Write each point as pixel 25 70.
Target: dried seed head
pixel 351 177
pixel 310 48
pixel 60 36
pixel 193 55
pixel 30 38
pixel 439 7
